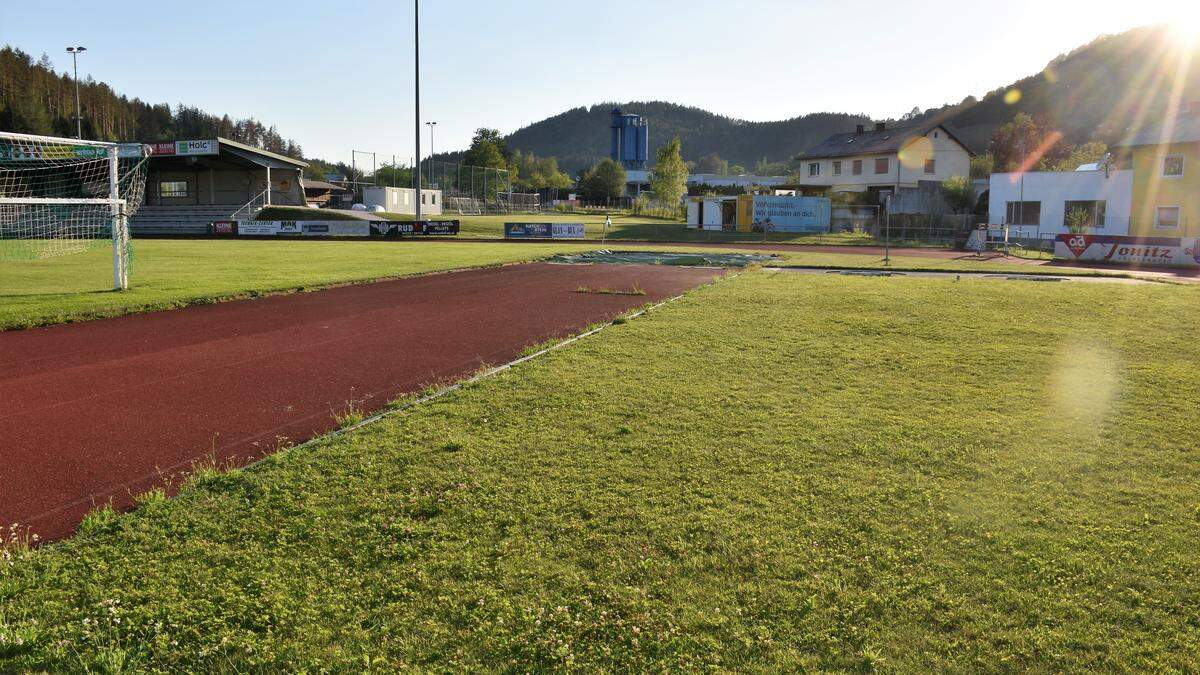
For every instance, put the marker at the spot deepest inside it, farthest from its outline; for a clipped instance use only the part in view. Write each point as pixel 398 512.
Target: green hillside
pixel 580 136
pixel 1099 90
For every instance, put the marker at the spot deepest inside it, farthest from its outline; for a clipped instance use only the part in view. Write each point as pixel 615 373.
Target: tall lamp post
pixel 416 174
pixel 75 52
pixel 431 125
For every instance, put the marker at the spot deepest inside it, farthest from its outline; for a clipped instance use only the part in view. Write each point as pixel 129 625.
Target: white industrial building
pixel 402 200
pixel 732 180
pixel 1036 203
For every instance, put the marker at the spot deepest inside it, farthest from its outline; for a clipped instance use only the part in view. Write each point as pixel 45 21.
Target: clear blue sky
pixel 338 75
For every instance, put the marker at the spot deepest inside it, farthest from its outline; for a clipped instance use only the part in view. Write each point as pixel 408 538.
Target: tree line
pixel 35 99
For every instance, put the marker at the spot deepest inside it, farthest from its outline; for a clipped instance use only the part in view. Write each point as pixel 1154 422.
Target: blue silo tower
pixel 630 146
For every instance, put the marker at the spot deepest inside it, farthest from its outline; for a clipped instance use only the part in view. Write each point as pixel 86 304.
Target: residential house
pixel 1166 170
pixel 884 160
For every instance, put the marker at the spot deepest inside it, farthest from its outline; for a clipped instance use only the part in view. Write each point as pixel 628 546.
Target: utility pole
pixel 75 52
pixel 431 125
pixel 887 237
pixel 417 105
pixel 1021 204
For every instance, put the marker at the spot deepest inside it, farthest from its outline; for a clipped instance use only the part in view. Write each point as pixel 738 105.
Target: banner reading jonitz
pixel 1155 251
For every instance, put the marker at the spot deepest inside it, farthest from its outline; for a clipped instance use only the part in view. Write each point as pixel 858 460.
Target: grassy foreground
pixel 172 273
pixel 776 472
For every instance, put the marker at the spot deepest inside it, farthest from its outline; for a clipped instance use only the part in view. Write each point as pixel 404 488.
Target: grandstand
pixel 193 183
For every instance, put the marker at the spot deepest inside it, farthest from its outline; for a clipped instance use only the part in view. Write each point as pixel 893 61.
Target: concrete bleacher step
pixel 181 219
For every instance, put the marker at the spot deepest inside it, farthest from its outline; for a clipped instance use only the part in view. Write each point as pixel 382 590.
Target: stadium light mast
pixel 417 107
pixel 431 125
pixel 75 52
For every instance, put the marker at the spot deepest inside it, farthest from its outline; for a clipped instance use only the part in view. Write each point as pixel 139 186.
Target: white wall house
pixel 1105 195
pixel 884 159
pixel 402 200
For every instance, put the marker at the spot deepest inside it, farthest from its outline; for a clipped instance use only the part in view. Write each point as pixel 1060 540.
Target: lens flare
pixel 1083 389
pixel 1012 96
pixel 913 156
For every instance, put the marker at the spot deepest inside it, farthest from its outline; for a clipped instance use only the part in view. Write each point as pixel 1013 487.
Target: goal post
pixel 61 196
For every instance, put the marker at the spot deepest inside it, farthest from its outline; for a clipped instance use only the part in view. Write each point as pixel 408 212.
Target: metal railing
pixel 246 207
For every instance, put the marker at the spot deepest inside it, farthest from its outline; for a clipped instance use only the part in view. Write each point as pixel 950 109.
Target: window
pixel 1166 218
pixel 930 166
pixel 935 134
pixel 814 169
pixel 1023 213
pixel 1093 209
pixel 172 188
pixel 837 168
pixel 433 198
pixel 856 168
pixel 1172 166
pixel 881 165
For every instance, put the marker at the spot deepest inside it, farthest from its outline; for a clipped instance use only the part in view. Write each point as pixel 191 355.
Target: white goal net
pixel 463 206
pixel 60 196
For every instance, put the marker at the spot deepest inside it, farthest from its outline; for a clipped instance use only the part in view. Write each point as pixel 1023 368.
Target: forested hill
pixel 1095 92
pixel 34 99
pixel 580 136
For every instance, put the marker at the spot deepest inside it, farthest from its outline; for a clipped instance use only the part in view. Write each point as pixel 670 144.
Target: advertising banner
pixel 544 230
pixel 20 151
pixel 304 228
pixel 1155 251
pixel 784 213
pixel 383 228
pixel 184 148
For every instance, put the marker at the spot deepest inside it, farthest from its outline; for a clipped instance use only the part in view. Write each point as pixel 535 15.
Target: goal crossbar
pixel 54 140
pixel 61 200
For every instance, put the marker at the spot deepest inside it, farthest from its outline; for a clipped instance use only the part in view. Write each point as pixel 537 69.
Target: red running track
pixel 103 410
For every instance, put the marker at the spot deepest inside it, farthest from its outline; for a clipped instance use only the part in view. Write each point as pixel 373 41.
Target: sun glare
pixel 1186 28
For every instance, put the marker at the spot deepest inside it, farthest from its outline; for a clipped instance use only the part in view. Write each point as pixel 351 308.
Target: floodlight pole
pixel 431 125
pixel 74 52
pixel 417 105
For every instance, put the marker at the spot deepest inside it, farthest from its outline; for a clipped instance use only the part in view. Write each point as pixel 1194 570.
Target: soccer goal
pixel 62 196
pixel 463 206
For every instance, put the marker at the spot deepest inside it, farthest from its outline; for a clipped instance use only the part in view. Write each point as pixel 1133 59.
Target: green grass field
pixel 777 472
pixel 625 227
pixel 173 273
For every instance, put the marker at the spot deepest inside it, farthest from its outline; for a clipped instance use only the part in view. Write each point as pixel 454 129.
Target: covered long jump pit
pixel 676 259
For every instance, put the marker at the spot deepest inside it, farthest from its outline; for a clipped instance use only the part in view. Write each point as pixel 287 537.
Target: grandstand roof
pixel 259 151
